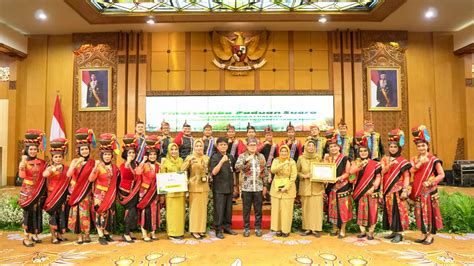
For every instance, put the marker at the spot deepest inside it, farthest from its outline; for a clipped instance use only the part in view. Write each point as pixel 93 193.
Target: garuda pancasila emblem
pixel 240 52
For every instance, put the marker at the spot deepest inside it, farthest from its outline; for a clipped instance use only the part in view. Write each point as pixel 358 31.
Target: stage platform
pixel 238 250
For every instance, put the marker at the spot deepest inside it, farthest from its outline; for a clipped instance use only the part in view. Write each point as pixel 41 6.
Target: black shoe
pixel 397 238
pixel 392 235
pixel 176 237
pixel 108 238
pixel 419 241
pixel 428 242
pixel 370 237
pixel 28 245
pixel 80 242
pixel 279 233
pixel 203 235
pixel 87 239
pixel 317 234
pixel 219 235
pixel 305 233
pixel 230 232
pixel 154 238
pixel 62 239
pixel 133 238
pixel 362 235
pixel 333 233
pixel 103 241
pixel 246 233
pixel 128 241
pixel 285 234
pixel 258 232
pixel 36 240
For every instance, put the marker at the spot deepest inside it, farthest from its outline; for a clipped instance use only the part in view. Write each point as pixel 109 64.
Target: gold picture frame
pixel 384 95
pixel 323 172
pixel 95 89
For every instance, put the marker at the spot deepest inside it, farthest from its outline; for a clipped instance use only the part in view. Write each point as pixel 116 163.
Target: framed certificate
pixel 323 172
pixel 171 182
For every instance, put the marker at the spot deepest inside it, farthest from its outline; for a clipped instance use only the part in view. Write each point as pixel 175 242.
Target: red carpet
pixel 238 218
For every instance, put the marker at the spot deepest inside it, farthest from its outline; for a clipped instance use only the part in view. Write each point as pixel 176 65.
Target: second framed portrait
pixel 95 89
pixel 383 88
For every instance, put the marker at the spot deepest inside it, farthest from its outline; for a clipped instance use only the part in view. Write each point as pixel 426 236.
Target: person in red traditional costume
pixel 236 147
pixel 366 173
pixel 339 193
pixel 58 182
pixel 80 200
pixel 395 181
pixel 33 189
pixel 129 187
pixel 269 149
pixel 427 172
pixel 148 205
pixel 105 176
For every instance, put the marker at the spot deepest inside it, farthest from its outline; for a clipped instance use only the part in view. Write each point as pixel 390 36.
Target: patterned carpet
pixel 237 250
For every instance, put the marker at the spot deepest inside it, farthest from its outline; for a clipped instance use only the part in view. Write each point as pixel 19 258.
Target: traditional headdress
pixel 361 140
pixel 129 142
pixel 58 146
pixel 268 130
pixel 290 126
pixel 229 127
pixel 34 137
pixel 108 142
pixel 396 136
pixel 333 137
pixel 186 124
pixel 85 137
pixel 152 143
pixel 207 126
pixel 420 134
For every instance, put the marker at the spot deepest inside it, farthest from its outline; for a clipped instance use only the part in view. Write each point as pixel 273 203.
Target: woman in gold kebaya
pixel 175 202
pixel 311 192
pixel 283 192
pixel 197 166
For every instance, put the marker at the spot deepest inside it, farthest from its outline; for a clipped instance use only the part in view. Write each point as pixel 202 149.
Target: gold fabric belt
pixel 100 187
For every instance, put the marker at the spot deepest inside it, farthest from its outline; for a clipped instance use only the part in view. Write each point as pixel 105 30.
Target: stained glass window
pixel 241 6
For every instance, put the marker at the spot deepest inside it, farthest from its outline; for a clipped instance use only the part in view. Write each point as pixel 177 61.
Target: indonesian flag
pixel 86 79
pixel 57 123
pixel 374 80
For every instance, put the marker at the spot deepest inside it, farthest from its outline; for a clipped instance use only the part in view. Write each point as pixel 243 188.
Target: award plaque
pixel 323 172
pixel 171 182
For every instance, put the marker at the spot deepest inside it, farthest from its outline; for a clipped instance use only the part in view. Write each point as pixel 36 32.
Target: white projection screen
pixel 260 110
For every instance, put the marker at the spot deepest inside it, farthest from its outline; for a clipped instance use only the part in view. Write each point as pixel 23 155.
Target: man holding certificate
pixel 222 188
pixel 254 173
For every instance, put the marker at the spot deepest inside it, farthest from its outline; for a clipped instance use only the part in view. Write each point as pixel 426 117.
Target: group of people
pixel 85 194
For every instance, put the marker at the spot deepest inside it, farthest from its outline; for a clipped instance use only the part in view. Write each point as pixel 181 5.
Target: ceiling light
pixel 39 14
pixel 431 13
pixel 150 21
pixel 323 20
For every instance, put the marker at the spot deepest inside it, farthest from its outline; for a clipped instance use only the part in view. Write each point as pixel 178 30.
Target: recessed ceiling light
pixel 323 20
pixel 431 13
pixel 39 14
pixel 150 21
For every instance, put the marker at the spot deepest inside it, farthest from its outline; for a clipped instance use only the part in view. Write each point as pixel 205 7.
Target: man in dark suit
pixel 222 187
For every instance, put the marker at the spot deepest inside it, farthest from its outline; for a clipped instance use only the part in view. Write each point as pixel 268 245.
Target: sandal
pixel 36 240
pixel 196 235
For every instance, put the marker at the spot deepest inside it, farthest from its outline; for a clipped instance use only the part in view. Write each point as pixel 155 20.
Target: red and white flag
pixel 58 130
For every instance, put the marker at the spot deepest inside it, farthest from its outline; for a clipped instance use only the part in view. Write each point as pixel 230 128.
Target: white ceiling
pixel 453 15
